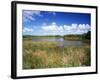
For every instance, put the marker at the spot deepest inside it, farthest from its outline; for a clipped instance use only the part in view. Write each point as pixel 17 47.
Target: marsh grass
pixel 50 55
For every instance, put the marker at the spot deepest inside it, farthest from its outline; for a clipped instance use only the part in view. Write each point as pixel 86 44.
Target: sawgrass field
pixel 48 54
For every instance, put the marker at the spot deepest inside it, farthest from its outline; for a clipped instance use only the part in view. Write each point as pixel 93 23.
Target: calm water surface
pixel 61 41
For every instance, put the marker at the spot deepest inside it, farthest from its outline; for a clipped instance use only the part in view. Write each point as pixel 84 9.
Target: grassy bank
pixel 82 37
pixel 50 55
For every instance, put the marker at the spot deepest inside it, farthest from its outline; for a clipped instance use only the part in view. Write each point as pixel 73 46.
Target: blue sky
pixel 55 23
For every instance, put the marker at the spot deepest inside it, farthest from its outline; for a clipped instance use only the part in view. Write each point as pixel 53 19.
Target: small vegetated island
pixel 57 51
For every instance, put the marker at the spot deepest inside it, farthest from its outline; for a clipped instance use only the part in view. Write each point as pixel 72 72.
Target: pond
pixel 61 41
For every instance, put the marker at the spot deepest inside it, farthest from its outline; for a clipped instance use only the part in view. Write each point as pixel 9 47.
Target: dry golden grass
pixel 50 55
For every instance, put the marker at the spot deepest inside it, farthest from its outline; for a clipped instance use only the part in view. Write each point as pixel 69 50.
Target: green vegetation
pixel 50 55
pixel 45 36
pixel 83 37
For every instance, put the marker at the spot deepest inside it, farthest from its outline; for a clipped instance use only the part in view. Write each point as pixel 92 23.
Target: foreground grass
pixel 50 55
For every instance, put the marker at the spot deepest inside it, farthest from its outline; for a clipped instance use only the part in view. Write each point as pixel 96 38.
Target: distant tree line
pixel 85 36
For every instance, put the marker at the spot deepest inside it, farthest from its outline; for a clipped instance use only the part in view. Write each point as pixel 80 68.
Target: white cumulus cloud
pixel 84 27
pixel 66 29
pixel 27 30
pixel 52 27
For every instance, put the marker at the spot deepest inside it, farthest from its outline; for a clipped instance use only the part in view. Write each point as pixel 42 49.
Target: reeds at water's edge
pixel 50 55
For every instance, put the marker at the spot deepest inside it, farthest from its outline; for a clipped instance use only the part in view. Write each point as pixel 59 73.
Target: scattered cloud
pixel 41 23
pixel 84 27
pixel 52 27
pixel 55 29
pixel 27 30
pixel 66 29
pixel 29 15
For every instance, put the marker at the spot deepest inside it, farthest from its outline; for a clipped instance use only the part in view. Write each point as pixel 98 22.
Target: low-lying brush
pixel 50 55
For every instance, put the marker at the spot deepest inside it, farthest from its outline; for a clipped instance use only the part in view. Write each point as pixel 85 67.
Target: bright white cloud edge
pixel 54 29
